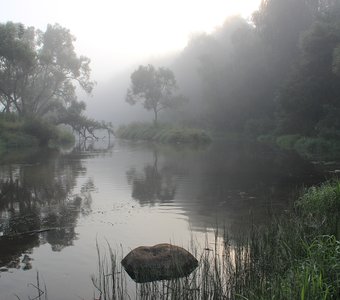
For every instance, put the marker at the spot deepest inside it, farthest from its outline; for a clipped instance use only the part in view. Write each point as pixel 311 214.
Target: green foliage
pixel 316 276
pixel 30 132
pixel 163 134
pixel 63 137
pixel 12 134
pixel 18 139
pixel 318 148
pixel 319 204
pixel 287 142
pixel 39 74
pixel 40 129
pixel 267 139
pixel 310 95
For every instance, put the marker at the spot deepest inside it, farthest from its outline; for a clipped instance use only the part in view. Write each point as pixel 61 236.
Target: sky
pixel 115 34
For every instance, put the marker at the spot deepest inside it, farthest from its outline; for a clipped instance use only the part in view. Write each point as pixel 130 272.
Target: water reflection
pixel 227 184
pixel 37 205
pixel 152 184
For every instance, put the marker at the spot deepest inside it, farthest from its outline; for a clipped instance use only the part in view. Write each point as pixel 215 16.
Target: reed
pixel 289 259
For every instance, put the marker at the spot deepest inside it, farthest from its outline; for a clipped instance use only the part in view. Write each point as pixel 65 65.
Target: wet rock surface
pixel 159 262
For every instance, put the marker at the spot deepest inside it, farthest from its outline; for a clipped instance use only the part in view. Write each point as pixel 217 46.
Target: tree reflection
pixel 152 185
pixel 36 198
pixel 233 185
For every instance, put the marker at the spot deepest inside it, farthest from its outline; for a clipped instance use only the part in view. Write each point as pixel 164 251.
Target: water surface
pixel 55 206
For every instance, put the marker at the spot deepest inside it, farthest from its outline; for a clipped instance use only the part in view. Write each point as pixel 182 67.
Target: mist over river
pixel 54 206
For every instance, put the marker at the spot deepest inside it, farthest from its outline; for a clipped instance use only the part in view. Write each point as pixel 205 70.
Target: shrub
pixel 163 134
pixel 63 138
pixel 287 142
pixel 18 139
pixel 266 138
pixel 40 129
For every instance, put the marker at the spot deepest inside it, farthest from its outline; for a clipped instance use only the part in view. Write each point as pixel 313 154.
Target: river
pixel 56 205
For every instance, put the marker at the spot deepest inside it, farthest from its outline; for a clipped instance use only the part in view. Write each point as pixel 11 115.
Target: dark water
pixel 54 206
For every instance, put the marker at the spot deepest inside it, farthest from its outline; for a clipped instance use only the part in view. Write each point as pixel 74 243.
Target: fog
pixel 119 35
pixel 242 67
pixel 145 122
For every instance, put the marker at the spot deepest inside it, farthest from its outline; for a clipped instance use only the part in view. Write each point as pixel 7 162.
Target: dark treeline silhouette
pixel 277 74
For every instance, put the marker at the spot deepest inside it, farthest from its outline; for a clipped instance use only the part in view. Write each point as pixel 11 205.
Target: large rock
pixel 159 262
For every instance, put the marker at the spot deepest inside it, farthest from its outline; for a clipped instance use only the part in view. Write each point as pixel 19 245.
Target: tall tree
pixel 154 88
pixel 309 101
pixel 39 70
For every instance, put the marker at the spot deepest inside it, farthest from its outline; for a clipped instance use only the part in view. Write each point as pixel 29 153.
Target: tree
pixel 309 100
pixel 154 88
pixel 39 70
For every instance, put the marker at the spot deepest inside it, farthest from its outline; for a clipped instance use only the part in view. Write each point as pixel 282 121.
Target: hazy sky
pixel 115 34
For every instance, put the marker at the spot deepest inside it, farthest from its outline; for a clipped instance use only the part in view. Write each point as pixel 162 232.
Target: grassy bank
pixel 30 133
pixel 297 257
pixel 163 133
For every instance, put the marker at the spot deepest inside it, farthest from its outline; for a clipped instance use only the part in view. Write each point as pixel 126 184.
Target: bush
pixel 267 139
pixel 63 138
pixel 30 132
pixel 163 134
pixel 287 142
pixel 18 139
pixel 40 129
pixel 319 148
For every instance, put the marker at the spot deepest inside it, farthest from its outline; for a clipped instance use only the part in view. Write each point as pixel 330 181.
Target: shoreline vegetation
pixel 163 133
pixel 296 257
pixel 31 133
pixel 312 148
pixel 319 148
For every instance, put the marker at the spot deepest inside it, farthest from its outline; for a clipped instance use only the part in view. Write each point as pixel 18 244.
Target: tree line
pixel 278 73
pixel 39 74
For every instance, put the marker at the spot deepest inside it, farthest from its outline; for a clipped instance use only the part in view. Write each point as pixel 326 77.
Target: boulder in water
pixel 159 262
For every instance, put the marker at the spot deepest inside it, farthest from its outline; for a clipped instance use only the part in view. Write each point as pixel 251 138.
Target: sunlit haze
pixel 115 34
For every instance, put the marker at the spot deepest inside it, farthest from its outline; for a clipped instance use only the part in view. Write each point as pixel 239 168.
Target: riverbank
pixel 31 133
pixel 295 257
pixel 313 148
pixel 163 133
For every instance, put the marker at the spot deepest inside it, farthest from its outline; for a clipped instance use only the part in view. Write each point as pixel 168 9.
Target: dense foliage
pixel 163 134
pixel 39 74
pixel 278 74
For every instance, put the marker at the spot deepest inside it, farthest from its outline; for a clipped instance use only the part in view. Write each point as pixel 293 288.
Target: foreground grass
pixel 163 133
pixel 297 257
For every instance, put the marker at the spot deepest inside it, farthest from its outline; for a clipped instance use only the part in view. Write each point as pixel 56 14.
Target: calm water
pixel 129 194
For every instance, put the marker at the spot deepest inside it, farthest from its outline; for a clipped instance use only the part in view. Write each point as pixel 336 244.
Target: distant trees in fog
pixel 277 73
pixel 154 88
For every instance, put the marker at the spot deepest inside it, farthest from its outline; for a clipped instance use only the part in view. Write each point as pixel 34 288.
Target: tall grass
pixel 296 257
